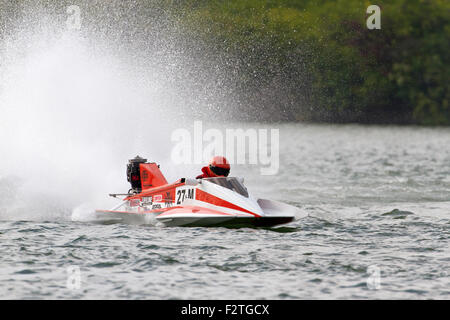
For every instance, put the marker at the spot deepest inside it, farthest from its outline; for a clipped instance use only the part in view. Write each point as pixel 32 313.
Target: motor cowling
pixel 142 175
pixel 134 173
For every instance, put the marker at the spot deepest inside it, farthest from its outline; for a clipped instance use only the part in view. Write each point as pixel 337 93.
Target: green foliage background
pixel 330 66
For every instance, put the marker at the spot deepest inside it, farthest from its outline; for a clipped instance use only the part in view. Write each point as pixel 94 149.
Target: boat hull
pixel 232 222
pixel 201 203
pixel 192 220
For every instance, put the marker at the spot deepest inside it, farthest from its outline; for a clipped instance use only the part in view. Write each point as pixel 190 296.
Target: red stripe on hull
pixel 209 198
pixel 173 210
pixel 196 210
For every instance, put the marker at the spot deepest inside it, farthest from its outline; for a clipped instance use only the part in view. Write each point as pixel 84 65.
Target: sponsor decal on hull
pixel 147 200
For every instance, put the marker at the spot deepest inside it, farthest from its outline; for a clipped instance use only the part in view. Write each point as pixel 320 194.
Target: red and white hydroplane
pixel 220 201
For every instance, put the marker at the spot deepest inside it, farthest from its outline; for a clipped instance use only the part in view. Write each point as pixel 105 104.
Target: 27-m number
pixel 184 194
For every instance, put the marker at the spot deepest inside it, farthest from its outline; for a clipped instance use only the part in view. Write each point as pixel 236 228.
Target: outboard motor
pixel 134 173
pixel 142 175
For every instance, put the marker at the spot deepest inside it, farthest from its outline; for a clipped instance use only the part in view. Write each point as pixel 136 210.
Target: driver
pixel 218 167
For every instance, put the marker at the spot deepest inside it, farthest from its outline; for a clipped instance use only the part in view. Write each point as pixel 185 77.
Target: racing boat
pixel 219 201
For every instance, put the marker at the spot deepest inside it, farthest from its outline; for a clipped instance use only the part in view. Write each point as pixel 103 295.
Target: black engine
pixel 134 173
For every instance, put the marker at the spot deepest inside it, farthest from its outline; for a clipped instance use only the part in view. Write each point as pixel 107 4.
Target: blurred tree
pixel 318 61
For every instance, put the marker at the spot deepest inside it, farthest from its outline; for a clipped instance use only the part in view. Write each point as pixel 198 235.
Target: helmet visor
pixel 220 171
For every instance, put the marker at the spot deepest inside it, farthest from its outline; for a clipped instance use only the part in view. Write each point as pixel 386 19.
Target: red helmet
pixel 219 166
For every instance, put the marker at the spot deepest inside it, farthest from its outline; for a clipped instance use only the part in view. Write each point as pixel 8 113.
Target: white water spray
pixel 72 114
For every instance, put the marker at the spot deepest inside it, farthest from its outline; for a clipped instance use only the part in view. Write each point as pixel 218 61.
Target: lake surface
pixel 378 227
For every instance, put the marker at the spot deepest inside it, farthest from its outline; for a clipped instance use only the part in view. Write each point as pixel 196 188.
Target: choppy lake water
pixel 378 200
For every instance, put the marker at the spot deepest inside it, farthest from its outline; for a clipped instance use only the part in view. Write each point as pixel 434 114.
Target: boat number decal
pixel 183 194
